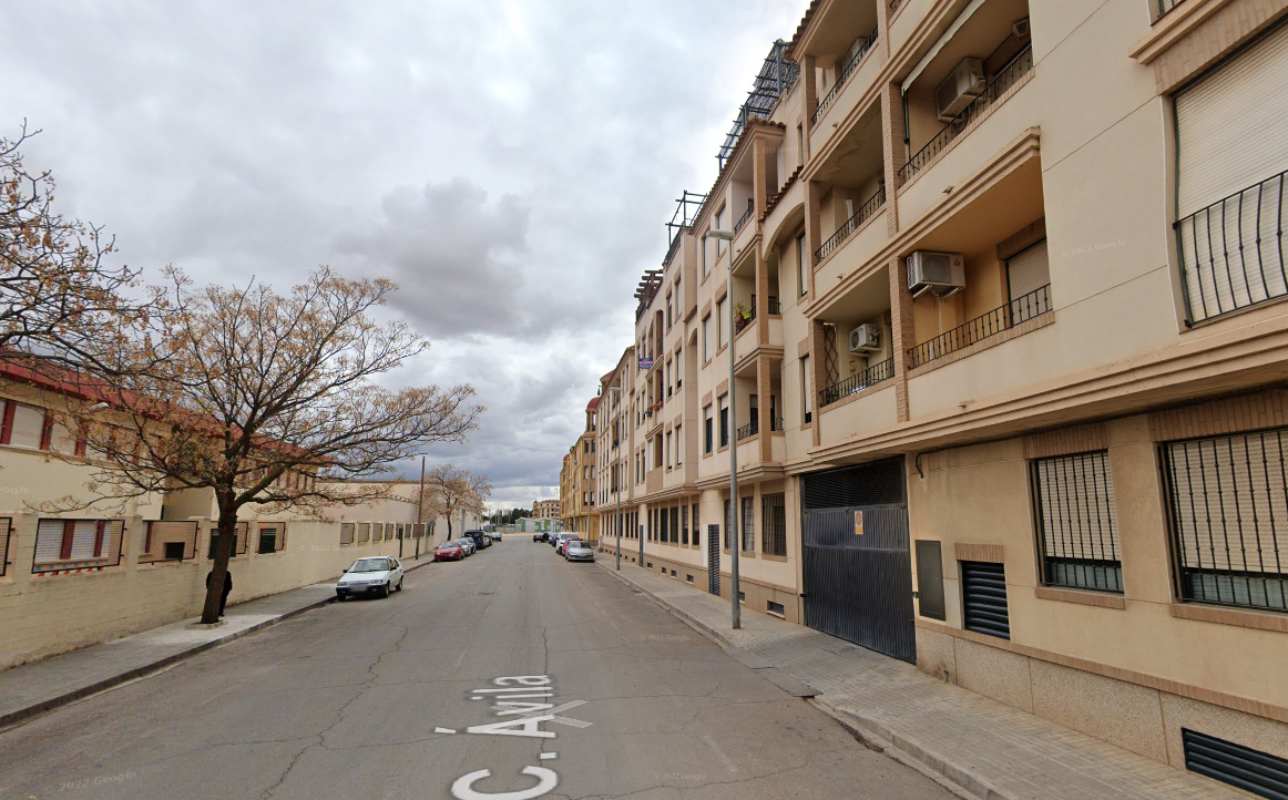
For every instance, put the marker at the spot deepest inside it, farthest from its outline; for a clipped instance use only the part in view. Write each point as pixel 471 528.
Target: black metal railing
pixel 750 429
pixel 1021 309
pixel 1228 519
pixel 994 90
pixel 869 207
pixel 775 306
pixel 746 215
pixel 847 69
pixel 1077 522
pixel 775 424
pixel 1232 252
pixel 881 371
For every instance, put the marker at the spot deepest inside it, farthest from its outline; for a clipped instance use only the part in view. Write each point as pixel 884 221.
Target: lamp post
pixel 734 532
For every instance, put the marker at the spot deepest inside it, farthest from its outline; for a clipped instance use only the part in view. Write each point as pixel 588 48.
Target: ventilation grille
pixel 1251 770
pixel 984 592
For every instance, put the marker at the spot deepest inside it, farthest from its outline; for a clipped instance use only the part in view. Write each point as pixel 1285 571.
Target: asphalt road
pixel 556 679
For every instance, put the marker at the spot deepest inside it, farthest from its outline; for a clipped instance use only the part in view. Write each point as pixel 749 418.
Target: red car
pixel 449 551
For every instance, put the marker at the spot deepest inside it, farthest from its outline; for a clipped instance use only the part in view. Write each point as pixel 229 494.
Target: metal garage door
pixel 857 571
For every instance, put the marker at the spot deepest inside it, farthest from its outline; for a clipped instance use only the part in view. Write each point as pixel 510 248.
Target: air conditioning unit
pixel 963 84
pixel 865 338
pixel 941 273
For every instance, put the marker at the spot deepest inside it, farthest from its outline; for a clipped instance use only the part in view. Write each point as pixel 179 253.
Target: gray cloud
pixel 509 163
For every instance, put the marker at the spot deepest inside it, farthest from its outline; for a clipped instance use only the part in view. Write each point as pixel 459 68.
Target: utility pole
pixel 420 501
pixel 733 531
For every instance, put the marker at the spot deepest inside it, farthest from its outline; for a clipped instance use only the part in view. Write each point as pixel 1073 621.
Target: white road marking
pixel 724 759
pixel 547 756
pixel 444 730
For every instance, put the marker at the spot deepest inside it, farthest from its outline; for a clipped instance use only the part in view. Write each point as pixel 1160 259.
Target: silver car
pixel 578 550
pixel 377 575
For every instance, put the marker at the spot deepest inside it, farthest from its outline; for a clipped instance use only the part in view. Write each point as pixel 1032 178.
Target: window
pixel 668 311
pixel 724 420
pixel 807 391
pixel 1229 511
pixel 707 430
pixel 748 525
pixel 663 528
pixel 22 426
pixel 668 449
pixel 1027 277
pixel 706 265
pixel 1077 526
pixel 77 543
pixel 719 225
pixel 696 528
pixel 684 525
pixel 675 524
pixel 270 539
pixel 801 286
pixel 1231 152
pixel 800 144
pixel 679 368
pixel 773 524
pixel 706 338
pixel 679 445
pixel 346 533
pixel 721 320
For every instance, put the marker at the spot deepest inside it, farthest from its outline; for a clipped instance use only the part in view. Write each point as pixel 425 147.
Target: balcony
pixel 985 326
pixel 863 413
pixel 746 215
pixel 1232 252
pixel 873 375
pixel 848 67
pixel 996 90
pixel 867 210
pixel 749 430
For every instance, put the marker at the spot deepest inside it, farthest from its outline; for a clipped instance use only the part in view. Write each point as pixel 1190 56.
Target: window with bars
pixel 675 524
pixel 1228 498
pixel 63 544
pixel 748 525
pixel 696 527
pixel 773 523
pixel 1076 520
pixel 684 524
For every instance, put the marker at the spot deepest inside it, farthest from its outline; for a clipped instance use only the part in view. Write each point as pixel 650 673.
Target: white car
pixel 377 575
pixel 578 550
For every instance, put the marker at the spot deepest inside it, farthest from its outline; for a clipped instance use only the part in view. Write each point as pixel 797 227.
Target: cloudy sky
pixel 509 163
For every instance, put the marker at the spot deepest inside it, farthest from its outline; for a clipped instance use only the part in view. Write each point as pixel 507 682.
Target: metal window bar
pixel 748 523
pixel 881 371
pixel 746 215
pixel 773 521
pixel 1229 518
pixel 843 75
pixel 1232 252
pixel 76 544
pixel 775 306
pixel 1163 7
pixel 997 86
pixel 865 212
pixel 1021 309
pixel 1077 522
pixel 750 429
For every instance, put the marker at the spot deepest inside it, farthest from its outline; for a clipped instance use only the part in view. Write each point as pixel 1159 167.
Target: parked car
pixel 467 544
pixel 378 575
pixel 480 538
pixel 494 535
pixel 539 536
pixel 449 551
pixel 562 545
pixel 578 550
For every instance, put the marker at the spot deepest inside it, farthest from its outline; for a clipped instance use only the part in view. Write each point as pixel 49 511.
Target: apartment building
pixel 77 568
pixel 1000 284
pixel 546 509
pixel 577 481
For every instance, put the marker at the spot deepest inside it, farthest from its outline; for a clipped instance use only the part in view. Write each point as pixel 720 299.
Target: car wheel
pixel 385 591
pixel 339 598
pixel 400 580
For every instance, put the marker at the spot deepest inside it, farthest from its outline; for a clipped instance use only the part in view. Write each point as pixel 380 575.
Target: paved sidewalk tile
pixel 39 686
pixel 988 749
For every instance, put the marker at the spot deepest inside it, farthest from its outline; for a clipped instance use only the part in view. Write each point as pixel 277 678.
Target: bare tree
pixel 451 490
pixel 266 399
pixel 59 296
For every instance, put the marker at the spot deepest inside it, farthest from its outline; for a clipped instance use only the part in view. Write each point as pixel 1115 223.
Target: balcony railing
pixel 1021 309
pixel 1232 252
pixel 843 75
pixel 750 429
pixel 746 215
pixel 775 424
pixel 775 306
pixel 881 371
pixel 870 206
pixel 997 86
pixel 1164 7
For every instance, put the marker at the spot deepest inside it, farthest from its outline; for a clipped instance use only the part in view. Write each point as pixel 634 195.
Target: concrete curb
pixel 961 781
pixel 49 704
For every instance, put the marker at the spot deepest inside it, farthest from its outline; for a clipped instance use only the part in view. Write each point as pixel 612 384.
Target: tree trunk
pixel 227 528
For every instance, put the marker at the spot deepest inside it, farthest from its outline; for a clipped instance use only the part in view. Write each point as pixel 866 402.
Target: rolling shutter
pixel 84 538
pixel 1230 125
pixel 49 540
pixel 28 425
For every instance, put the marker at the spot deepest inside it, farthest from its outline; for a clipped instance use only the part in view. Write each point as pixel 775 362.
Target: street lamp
pixel 735 533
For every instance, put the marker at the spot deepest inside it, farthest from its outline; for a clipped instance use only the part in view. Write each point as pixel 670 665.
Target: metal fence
pixel 1229 518
pixel 1021 309
pixel 843 74
pixel 75 544
pixel 881 371
pixel 869 207
pixel 995 89
pixel 1077 524
pixel 1232 252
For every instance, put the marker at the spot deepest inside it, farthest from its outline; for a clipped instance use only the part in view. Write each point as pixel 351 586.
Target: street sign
pixel 646 363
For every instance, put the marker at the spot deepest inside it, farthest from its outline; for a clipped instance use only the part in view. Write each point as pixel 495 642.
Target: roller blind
pixel 1231 130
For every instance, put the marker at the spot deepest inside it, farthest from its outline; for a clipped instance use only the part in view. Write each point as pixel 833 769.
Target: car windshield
pixel 576 543
pixel 370 565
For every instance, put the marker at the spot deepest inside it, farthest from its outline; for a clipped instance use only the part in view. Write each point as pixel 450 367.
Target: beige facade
pixel 577 481
pixel 545 509
pixel 1027 258
pixel 71 578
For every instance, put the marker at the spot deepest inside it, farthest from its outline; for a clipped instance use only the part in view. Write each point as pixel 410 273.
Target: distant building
pixel 545 509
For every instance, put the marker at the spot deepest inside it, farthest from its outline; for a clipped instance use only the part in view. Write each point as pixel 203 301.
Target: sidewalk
pixel 975 746
pixel 33 688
